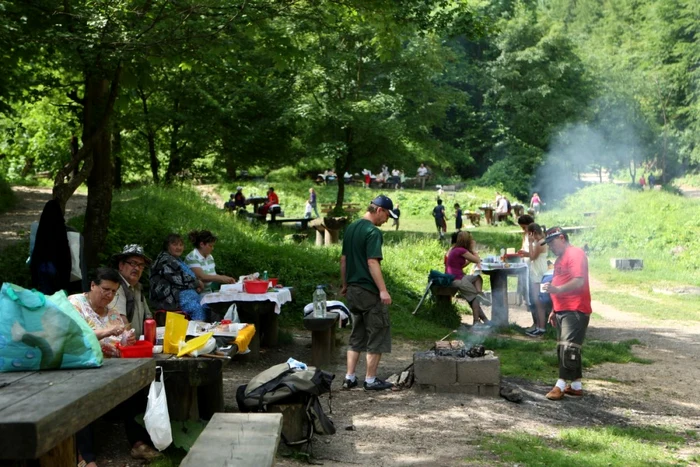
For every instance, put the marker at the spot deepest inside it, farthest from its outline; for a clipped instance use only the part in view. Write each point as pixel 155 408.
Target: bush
pixel 7 196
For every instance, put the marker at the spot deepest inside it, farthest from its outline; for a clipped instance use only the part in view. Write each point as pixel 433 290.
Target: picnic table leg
pixel 270 328
pixel 499 298
pixel 61 455
pixel 319 238
pixel 320 344
pixel 182 397
pixel 211 398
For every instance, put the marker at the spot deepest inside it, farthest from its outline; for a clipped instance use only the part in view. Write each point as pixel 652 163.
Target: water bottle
pixel 264 276
pixel 503 255
pixel 319 302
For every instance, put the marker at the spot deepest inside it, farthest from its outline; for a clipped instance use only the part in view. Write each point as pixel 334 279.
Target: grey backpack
pixel 280 384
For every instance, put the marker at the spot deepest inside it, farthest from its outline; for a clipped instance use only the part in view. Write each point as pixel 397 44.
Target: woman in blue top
pixel 173 284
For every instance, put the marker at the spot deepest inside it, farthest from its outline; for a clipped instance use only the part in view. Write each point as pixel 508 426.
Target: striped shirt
pixel 195 260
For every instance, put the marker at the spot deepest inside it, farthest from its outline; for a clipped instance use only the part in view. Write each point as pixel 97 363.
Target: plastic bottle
pixel 264 276
pixel 503 255
pixel 149 331
pixel 319 302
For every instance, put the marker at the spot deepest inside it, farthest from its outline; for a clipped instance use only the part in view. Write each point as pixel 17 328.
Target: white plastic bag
pixel 157 418
pixel 232 314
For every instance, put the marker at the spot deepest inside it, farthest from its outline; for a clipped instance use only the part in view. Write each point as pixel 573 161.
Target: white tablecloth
pixel 280 297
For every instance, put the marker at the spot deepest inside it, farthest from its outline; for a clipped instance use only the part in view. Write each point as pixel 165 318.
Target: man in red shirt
pixel 571 310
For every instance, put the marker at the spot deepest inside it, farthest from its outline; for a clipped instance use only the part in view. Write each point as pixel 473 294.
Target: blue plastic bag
pixel 43 333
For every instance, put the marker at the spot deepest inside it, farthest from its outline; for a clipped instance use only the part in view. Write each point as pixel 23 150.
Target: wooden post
pixel 319 237
pixel 295 423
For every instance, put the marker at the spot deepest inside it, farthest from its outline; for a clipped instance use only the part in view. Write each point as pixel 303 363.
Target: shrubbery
pixel 7 196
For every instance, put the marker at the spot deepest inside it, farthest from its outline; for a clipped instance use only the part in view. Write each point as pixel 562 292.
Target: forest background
pixel 521 95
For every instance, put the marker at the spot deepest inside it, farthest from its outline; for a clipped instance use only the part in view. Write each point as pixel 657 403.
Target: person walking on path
pixel 313 201
pixel 367 296
pixel 571 310
pixel 440 219
pixel 395 220
pixel 422 173
pixel 458 217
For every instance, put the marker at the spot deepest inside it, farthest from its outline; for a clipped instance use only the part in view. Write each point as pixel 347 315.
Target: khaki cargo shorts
pixel 371 327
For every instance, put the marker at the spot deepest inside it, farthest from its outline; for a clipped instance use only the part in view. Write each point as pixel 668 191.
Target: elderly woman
pixel 93 306
pixel 470 286
pixel 174 285
pixel 109 329
pixel 201 261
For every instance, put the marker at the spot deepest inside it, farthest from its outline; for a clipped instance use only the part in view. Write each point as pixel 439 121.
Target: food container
pixel 513 258
pixel 256 287
pixel 141 349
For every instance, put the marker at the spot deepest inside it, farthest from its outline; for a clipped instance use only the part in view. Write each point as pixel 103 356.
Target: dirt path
pixel 14 224
pixel 412 428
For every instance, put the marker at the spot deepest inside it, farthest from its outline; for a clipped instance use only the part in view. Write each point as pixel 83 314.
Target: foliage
pixel 598 446
pixel 7 196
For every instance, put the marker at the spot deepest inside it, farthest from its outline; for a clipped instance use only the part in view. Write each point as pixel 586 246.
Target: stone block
pixel 482 370
pixel 490 390
pixel 626 264
pixel 425 387
pixel 456 388
pixel 431 369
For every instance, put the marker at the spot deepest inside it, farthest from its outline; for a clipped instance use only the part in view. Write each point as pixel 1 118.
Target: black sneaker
pixel 349 384
pixel 378 385
pixel 535 333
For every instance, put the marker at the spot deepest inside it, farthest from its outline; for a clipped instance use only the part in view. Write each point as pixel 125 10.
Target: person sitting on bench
pixel 272 199
pixel 174 286
pixel 470 286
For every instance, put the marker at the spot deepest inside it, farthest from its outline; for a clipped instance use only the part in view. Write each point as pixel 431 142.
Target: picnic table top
pixel 40 409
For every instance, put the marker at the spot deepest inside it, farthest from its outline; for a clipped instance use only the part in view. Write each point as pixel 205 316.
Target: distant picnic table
pixel 40 411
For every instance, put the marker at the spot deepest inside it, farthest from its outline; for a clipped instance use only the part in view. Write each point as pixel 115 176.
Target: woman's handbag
pixel 157 418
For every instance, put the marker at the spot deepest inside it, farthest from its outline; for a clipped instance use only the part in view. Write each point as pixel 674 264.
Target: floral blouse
pixel 95 321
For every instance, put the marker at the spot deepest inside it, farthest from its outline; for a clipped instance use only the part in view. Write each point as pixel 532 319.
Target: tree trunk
pixel 101 179
pixel 342 165
pixel 175 164
pixel 150 135
pixel 116 152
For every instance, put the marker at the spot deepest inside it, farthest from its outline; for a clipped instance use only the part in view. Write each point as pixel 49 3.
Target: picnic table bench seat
pixel 237 439
pixel 304 221
pixel 443 294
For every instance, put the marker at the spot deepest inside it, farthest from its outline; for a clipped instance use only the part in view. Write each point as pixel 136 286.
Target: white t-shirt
pixel 422 171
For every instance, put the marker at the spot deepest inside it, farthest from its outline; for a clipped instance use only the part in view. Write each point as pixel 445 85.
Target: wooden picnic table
pixel 261 310
pixel 256 201
pixel 488 214
pixel 40 411
pixel 194 385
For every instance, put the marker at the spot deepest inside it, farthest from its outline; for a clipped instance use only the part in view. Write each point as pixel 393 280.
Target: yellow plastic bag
pixel 244 337
pixel 175 331
pixel 193 344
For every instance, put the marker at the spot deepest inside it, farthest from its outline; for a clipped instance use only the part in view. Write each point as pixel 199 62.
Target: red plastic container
pixel 256 287
pixel 141 349
pixel 273 280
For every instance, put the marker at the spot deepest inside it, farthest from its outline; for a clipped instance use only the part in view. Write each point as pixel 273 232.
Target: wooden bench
pixel 328 229
pixel 322 337
pixel 443 295
pixel 40 411
pixel 303 220
pixel 347 207
pixel 237 439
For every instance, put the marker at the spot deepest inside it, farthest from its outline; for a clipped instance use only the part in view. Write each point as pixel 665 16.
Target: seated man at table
pixel 502 209
pixel 239 198
pixel 130 301
pixel 272 199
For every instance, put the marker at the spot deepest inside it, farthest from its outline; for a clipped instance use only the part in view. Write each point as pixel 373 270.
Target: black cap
pixel 385 202
pixel 553 233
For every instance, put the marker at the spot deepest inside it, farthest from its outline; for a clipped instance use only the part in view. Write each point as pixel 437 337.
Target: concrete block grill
pixel 450 369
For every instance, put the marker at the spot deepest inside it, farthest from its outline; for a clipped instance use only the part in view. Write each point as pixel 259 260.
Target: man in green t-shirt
pixel 364 287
